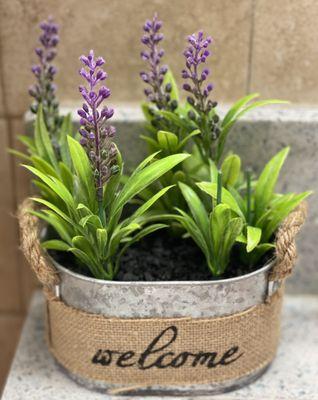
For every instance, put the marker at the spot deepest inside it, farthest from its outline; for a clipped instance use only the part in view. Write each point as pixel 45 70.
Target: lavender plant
pixel 47 148
pixel 203 108
pixel 171 126
pixel 156 92
pixel 44 90
pixel 168 133
pixel 86 213
pixel 96 133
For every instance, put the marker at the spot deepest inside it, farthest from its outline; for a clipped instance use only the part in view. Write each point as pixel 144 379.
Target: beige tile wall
pixel 268 46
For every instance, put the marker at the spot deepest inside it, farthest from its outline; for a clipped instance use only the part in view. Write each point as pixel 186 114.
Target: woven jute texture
pixel 187 350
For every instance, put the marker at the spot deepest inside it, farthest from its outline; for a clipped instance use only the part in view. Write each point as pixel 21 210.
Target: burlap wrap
pixel 162 351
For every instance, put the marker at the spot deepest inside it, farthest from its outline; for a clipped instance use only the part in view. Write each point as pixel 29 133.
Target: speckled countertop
pixel 293 375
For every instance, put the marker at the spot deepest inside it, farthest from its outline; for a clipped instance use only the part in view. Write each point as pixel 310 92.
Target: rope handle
pixel 31 246
pixel 47 274
pixel 286 252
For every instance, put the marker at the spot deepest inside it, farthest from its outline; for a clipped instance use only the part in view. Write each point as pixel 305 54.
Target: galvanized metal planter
pixel 243 311
pixel 167 299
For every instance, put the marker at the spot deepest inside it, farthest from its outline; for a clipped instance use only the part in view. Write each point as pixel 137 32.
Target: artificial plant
pixel 84 206
pixel 172 126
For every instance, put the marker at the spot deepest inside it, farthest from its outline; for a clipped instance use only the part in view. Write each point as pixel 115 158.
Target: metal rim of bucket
pixel 103 282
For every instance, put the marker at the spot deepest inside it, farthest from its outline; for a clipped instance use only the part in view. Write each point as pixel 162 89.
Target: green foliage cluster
pixel 70 205
pixel 217 204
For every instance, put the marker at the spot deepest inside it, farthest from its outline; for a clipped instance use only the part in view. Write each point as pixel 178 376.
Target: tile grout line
pixel 250 48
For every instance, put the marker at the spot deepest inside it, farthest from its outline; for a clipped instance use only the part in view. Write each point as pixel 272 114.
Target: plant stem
pixel 219 188
pixel 248 195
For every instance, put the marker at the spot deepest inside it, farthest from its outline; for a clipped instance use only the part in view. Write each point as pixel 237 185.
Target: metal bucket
pixel 167 299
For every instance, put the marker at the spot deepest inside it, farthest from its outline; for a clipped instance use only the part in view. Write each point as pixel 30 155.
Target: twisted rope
pixel 31 247
pixel 286 252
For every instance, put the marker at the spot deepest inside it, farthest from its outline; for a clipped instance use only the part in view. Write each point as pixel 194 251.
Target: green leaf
pixel 28 142
pixel 254 257
pixel 110 190
pixel 145 110
pixel 144 163
pixel 66 176
pixel 83 170
pixel 56 186
pixel 55 245
pixel 231 168
pixel 193 229
pixel 66 130
pixel 144 177
pixel 174 119
pixel 237 106
pixel 197 209
pixel 44 166
pixel 56 222
pixel 152 142
pixel 82 243
pixel 169 78
pixel 258 104
pixel 43 140
pixel 184 141
pixel 144 232
pixel 54 208
pixel 224 231
pixel 227 198
pixel 91 219
pixel 230 120
pixel 267 182
pixel 102 238
pixel 254 235
pixel 142 209
pixel 279 211
pixel 168 141
pixel 19 154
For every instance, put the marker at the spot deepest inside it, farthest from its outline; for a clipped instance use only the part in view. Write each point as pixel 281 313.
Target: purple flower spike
pixel 154 77
pixel 44 89
pixel 95 132
pixel 196 54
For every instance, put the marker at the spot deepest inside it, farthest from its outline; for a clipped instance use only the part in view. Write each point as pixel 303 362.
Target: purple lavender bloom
pixel 196 54
pixel 156 93
pixel 199 90
pixel 96 133
pixel 44 89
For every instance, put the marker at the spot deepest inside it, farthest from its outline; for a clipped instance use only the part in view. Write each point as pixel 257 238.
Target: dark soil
pixel 160 257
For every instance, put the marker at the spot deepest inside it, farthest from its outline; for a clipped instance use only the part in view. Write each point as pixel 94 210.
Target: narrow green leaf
pixel 267 181
pixel 66 130
pixel 197 209
pixel 231 168
pixel 55 245
pixel 254 235
pixel 83 170
pixel 44 166
pixel 227 198
pixel 143 178
pixel 19 154
pixel 43 140
pixel 55 185
pixel 142 209
pixel 184 141
pixel 237 106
